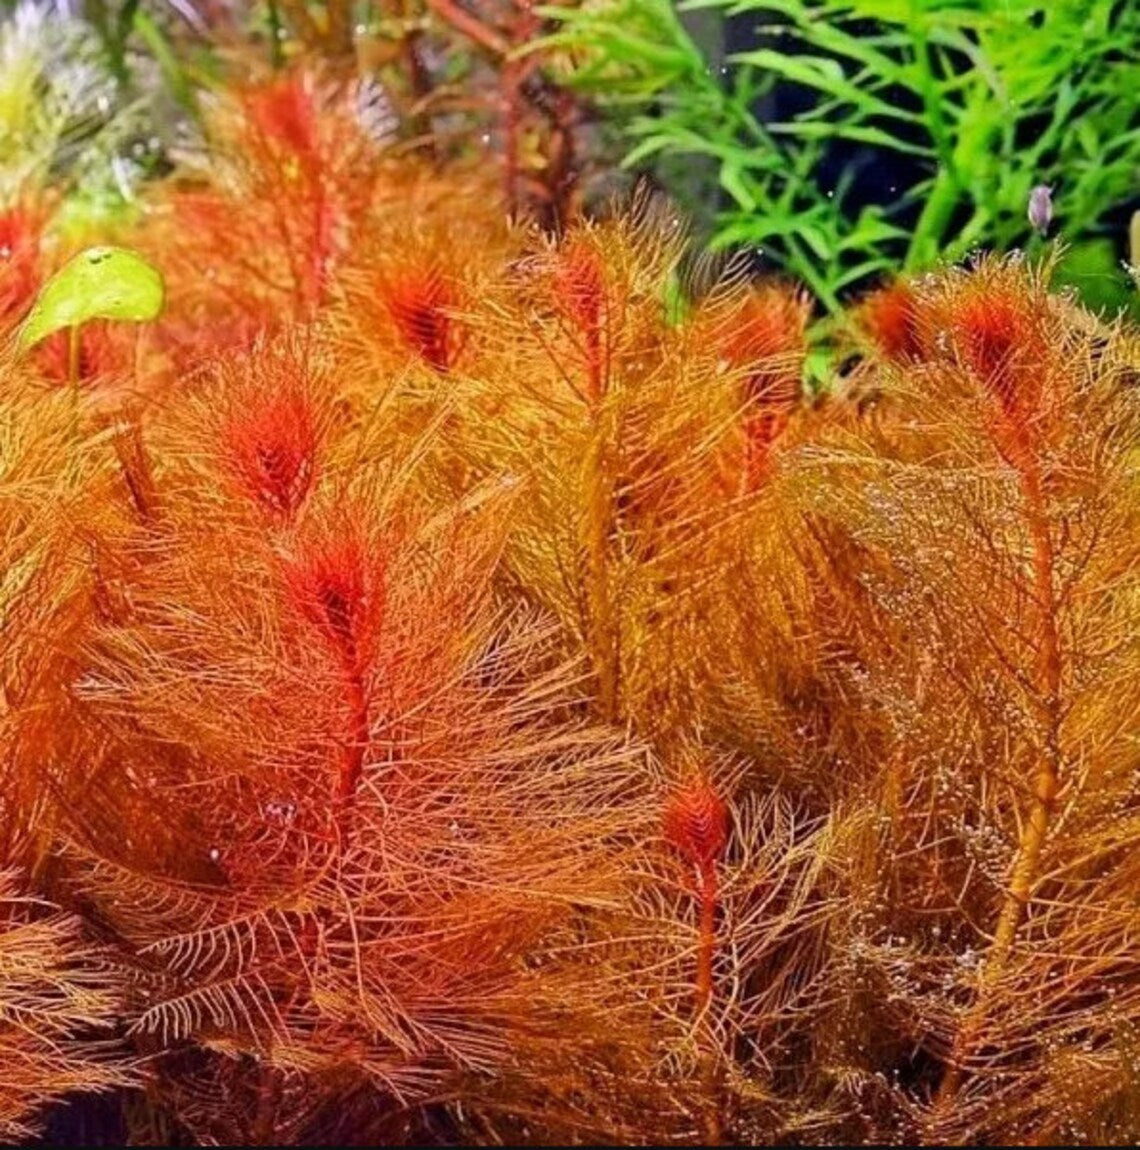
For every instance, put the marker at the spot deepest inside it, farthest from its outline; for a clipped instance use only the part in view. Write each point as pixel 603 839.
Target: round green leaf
pixel 99 283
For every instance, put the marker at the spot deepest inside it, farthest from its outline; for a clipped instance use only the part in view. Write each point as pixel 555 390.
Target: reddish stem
pixel 706 949
pixel 352 766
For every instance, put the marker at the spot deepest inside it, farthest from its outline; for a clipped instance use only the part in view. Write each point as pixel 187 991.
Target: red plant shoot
pixel 339 589
pixel 767 342
pixel 890 318
pixel 580 292
pixel 270 442
pixel 419 302
pixel 284 111
pixel 696 825
pixel 998 338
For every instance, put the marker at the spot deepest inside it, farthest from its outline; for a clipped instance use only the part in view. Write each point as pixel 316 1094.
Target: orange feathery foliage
pixel 57 1002
pixel 988 529
pixel 361 804
pixel 890 319
pixel 255 240
pixel 270 434
pixel 336 613
pixel 421 304
pixel 765 340
pixel 59 996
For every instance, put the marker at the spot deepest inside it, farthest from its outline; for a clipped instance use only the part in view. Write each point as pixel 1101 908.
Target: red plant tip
pixel 284 111
pixel 270 443
pixel 419 304
pixel 20 229
pixel 768 340
pixel 579 286
pixel 696 823
pixel 999 339
pixel 338 588
pixel 889 317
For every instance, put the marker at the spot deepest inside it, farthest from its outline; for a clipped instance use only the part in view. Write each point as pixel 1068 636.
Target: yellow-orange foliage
pixel 475 693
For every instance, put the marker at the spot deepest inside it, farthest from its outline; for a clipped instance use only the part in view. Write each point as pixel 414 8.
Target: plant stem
pixel 352 764
pixel 601 639
pixel 706 950
pixel 706 944
pixel 471 26
pixel 1046 782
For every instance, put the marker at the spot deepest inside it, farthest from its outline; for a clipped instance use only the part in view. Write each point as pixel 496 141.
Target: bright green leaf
pixel 99 283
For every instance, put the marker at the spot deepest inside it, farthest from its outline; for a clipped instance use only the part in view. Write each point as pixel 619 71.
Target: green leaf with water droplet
pixel 99 283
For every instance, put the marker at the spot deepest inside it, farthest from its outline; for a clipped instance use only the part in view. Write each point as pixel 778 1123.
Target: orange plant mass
pixel 477 681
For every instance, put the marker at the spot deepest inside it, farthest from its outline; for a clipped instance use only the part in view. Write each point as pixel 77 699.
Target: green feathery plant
pixel 972 103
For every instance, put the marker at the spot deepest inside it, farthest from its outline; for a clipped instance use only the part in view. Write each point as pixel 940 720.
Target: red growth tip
pixel 579 286
pixel 20 229
pixel 890 318
pixel 767 338
pixel 285 113
pixel 999 337
pixel 337 587
pixel 696 823
pixel 580 293
pixel 270 443
pixel 419 303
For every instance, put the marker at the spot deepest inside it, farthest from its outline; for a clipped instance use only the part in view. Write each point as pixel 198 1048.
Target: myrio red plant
pixel 462 685
pixel 395 809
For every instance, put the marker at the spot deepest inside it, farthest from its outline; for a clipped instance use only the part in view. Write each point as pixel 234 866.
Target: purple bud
pixel 1041 208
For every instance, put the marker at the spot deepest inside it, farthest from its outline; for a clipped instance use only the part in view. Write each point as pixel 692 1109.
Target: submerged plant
pixel 992 527
pixel 347 810
pixel 58 998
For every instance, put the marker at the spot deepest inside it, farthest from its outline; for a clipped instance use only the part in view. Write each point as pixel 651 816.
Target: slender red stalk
pixel 1000 337
pixel 696 824
pixel 340 592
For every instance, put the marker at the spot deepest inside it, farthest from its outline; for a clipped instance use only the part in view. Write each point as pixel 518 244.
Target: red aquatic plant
pixel 21 232
pixel 998 330
pixel 696 825
pixel 765 341
pixel 579 289
pixel 338 580
pixel 270 437
pixel 421 302
pixel 284 113
pixel 258 241
pixel 890 317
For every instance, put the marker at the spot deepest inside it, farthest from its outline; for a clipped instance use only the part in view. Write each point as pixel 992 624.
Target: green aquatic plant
pixel 85 116
pixel 971 105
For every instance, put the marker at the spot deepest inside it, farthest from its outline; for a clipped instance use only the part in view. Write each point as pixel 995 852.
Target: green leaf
pixel 732 180
pixel 99 283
